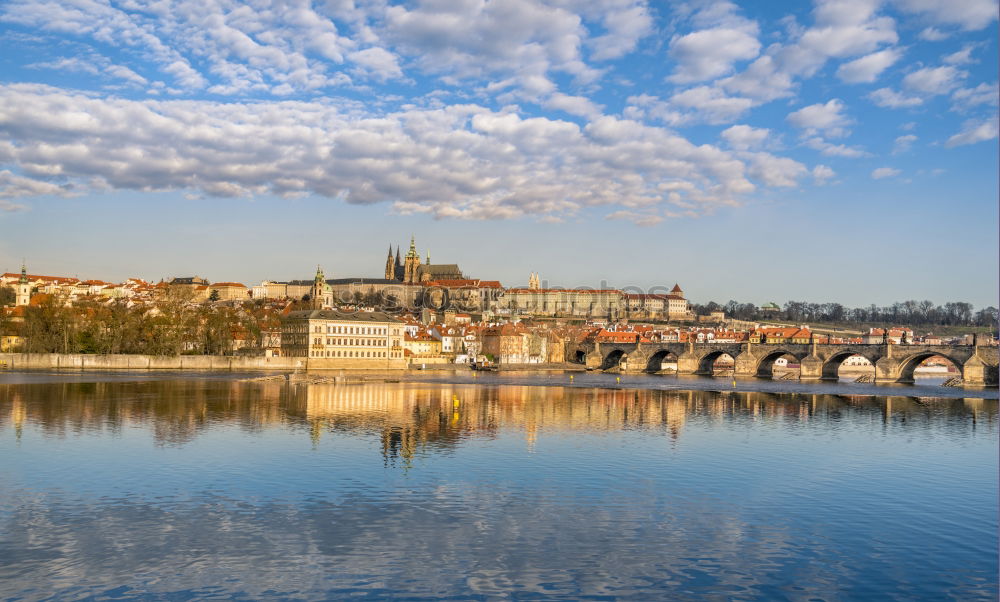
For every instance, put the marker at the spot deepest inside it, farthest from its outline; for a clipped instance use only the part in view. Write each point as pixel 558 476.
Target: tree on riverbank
pixel 910 313
pixel 172 327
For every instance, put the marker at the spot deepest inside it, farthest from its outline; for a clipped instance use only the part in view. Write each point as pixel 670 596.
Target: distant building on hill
pixel 409 270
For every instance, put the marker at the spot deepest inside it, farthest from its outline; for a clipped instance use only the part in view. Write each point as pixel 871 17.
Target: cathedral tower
pixel 390 265
pixel 411 264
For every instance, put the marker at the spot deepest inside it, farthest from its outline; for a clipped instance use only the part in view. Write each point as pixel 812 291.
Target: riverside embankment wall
pixel 216 363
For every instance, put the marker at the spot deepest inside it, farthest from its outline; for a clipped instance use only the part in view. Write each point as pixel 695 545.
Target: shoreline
pixel 921 389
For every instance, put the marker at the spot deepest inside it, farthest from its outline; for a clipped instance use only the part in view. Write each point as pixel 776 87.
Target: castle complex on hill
pixel 410 270
pixel 407 283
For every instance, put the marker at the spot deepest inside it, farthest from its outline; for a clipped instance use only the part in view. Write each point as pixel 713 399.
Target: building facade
pixel 335 339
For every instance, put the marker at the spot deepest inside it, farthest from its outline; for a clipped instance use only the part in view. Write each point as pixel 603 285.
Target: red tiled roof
pixel 561 290
pixel 464 283
pixel 56 279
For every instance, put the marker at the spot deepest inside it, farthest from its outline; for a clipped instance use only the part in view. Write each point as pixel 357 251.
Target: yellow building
pixel 422 345
pixel 335 339
pixel 230 291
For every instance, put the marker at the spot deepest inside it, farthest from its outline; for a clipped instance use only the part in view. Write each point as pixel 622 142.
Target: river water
pixel 494 486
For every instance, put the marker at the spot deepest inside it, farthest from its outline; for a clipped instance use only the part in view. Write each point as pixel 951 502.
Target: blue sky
pixel 842 150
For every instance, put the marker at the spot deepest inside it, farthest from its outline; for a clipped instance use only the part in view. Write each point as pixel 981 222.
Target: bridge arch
pixel 765 364
pixel 613 359
pixel 908 365
pixel 579 357
pixel 706 364
pixel 831 367
pixel 655 363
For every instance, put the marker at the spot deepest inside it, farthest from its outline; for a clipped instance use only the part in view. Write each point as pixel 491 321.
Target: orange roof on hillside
pixel 56 279
pixel 464 283
pixel 658 297
pixel 562 290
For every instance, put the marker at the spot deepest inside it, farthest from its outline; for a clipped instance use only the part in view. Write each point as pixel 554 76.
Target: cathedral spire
pixel 390 266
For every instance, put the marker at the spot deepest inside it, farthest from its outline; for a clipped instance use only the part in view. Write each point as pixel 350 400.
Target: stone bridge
pixel 893 363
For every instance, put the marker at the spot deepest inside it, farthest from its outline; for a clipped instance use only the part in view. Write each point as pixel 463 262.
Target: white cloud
pixel 774 171
pixel 962 57
pixel 14 186
pixel 903 143
pixel 625 24
pixel 379 62
pixel 521 39
pixel 867 68
pixel 711 104
pixel 890 99
pixel 709 52
pixel 842 28
pixel 821 174
pixel 762 81
pixel 933 80
pixel 983 94
pixel 967 14
pixel 462 161
pixel 884 172
pixel 827 118
pixel 639 219
pixel 932 34
pixel 744 137
pixel 574 105
pixel 835 150
pixel 974 131
pixel 95 65
pixel 10 207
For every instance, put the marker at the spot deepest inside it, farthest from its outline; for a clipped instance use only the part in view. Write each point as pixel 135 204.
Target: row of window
pixel 354 354
pixel 352 330
pixel 356 342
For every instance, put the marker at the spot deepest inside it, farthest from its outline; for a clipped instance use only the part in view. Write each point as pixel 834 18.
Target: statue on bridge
pixel 903 339
pixel 885 336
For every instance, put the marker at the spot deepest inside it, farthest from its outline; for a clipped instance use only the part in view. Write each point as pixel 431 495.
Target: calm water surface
pixel 181 488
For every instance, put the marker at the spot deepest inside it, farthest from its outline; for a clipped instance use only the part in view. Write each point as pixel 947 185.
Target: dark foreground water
pixel 199 488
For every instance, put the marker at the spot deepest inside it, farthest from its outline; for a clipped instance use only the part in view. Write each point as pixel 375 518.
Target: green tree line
pixel 173 326
pixel 909 313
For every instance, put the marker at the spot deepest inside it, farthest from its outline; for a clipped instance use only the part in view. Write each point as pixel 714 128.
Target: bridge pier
pixel 594 360
pixel 688 363
pixel 746 364
pixel 636 363
pixel 811 368
pixel 974 372
pixel 887 370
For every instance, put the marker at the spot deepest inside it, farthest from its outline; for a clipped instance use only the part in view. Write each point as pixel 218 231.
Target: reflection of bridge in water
pixel 410 418
pixel 893 363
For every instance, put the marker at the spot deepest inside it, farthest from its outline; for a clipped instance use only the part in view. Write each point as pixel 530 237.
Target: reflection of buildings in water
pixel 410 417
pixel 17 415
